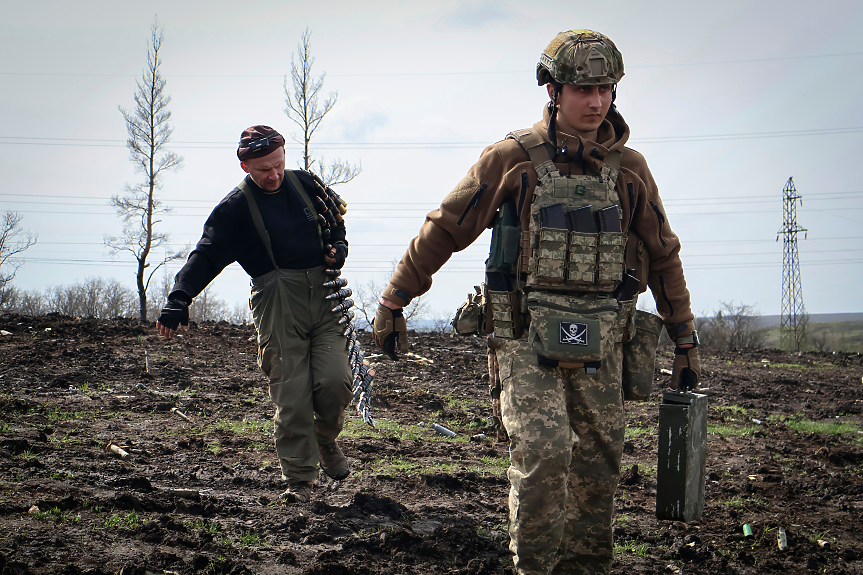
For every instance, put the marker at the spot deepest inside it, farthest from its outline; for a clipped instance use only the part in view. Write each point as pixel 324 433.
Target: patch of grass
pixel 633 547
pixel 128 522
pixel 215 447
pixel 730 430
pixel 4 428
pixel 647 470
pixel 828 427
pixel 259 446
pixel 738 501
pixel 385 428
pixel 635 431
pixel 54 514
pixel 733 409
pixel 28 454
pixel 822 536
pixel 394 465
pixel 622 519
pixel 502 462
pixel 58 415
pixel 201 525
pixel 243 427
pixel 250 538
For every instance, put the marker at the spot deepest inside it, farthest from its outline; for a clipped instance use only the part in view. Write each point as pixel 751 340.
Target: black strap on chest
pixel 258 220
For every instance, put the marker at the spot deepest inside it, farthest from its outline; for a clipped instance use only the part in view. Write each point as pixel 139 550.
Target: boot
pixel 333 461
pixel 298 493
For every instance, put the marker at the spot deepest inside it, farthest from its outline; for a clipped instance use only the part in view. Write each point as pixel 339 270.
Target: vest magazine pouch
pixel 582 257
pixel 550 260
pixel 639 356
pixel 571 329
pixel 610 260
pixel 503 309
pixel 468 318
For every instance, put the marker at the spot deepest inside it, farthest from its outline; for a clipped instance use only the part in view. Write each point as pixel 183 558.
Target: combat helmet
pixel 581 57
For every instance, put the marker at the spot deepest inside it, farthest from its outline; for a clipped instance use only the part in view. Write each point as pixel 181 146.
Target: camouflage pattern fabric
pixel 573 261
pixel 301 349
pixel 566 429
pixel 581 57
pixel 494 390
pixel 639 357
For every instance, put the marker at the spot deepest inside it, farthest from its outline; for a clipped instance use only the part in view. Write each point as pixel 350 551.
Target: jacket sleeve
pixel 462 216
pixel 649 220
pixel 214 251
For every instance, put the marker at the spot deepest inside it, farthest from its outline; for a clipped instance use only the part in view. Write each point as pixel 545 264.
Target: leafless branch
pixel 148 132
pixel 306 107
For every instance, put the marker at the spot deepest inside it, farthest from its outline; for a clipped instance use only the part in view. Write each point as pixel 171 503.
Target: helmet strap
pixel 552 109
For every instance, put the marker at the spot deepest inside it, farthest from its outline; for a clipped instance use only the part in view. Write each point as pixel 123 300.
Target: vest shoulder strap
pixel 258 220
pixel 298 185
pixel 534 144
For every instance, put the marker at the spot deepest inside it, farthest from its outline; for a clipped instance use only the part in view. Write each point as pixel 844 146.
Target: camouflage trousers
pixel 566 429
pixel 301 350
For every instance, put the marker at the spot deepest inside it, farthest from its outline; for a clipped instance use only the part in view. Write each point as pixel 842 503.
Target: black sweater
pixel 230 236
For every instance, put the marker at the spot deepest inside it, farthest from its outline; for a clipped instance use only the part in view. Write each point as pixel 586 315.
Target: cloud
pixel 361 128
pixel 478 15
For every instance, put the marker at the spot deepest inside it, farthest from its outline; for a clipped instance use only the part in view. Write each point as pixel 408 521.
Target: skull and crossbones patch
pixel 572 333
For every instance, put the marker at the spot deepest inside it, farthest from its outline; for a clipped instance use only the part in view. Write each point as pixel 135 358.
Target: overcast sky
pixel 726 100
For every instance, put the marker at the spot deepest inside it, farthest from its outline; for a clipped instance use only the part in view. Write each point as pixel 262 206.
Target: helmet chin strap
pixel 552 109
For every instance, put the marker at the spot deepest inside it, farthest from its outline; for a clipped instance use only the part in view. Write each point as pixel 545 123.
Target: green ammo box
pixel 682 452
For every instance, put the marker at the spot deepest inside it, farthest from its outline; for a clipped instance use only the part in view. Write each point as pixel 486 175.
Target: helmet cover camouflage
pixel 581 57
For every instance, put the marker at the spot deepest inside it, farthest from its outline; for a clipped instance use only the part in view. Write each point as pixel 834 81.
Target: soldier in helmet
pixel 586 234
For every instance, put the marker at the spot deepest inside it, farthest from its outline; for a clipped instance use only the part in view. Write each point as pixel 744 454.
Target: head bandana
pixel 258 141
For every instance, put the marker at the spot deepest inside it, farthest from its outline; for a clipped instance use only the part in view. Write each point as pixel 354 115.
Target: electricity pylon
pixel 794 319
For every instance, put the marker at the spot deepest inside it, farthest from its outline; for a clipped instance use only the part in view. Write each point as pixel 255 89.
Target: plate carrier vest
pixel 560 263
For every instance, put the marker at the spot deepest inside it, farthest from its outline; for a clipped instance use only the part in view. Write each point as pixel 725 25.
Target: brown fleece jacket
pixel 504 172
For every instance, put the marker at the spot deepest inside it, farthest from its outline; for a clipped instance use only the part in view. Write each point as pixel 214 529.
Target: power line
pixel 86 142
pixel 450 73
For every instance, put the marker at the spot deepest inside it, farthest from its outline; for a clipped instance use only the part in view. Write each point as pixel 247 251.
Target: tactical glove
pixel 340 256
pixel 390 331
pixel 686 369
pixel 175 312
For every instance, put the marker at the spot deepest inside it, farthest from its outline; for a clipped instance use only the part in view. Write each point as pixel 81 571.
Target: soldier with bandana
pixel 590 233
pixel 271 226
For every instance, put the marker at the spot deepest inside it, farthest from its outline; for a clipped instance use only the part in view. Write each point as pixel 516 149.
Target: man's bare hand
pixel 167 332
pixel 174 314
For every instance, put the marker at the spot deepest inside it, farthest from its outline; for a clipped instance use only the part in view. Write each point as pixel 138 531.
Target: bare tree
pixel 148 133
pixel 208 307
pixel 734 327
pixel 306 110
pixel 13 241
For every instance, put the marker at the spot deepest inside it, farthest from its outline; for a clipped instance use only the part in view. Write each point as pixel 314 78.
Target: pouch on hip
pixel 571 329
pixel 468 319
pixel 639 356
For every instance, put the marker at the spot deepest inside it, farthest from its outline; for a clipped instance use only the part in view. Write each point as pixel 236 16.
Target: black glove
pixel 390 331
pixel 340 256
pixel 175 312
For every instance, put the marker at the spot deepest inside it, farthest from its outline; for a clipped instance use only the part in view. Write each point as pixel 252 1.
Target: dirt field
pixel 201 496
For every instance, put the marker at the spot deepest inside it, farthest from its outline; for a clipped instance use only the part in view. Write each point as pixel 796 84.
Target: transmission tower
pixel 794 318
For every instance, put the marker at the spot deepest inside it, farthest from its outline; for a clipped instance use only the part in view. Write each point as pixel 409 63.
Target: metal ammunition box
pixel 682 452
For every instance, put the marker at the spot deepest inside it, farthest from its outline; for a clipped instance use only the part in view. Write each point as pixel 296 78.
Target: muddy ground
pixel 201 496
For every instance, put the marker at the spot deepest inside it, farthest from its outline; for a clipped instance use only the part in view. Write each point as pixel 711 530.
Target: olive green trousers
pixel 566 429
pixel 301 350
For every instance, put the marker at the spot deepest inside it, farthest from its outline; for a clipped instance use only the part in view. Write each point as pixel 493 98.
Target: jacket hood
pixel 611 135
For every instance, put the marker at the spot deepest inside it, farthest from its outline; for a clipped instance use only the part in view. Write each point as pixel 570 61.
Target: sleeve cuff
pixel 397 296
